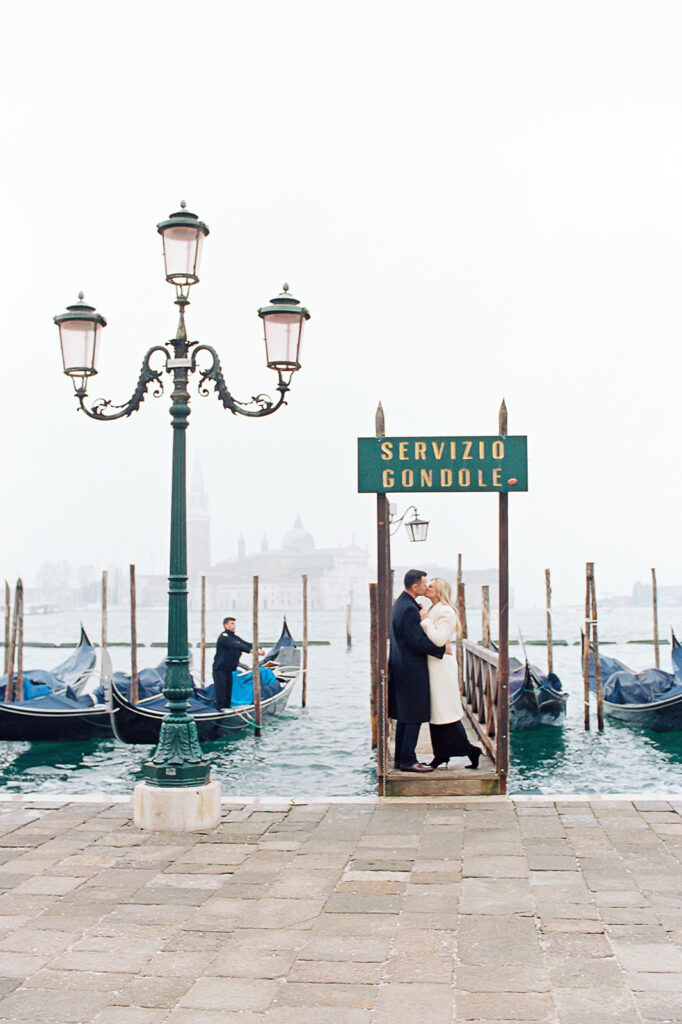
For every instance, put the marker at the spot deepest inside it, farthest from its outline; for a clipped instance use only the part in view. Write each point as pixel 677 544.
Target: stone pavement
pixel 366 912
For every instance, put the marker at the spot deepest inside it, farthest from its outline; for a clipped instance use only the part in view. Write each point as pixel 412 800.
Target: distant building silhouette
pixel 336 576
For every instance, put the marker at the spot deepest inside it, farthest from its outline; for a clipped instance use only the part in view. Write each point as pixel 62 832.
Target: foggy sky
pixel 474 200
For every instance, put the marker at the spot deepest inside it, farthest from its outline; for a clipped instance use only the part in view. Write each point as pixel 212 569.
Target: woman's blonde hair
pixel 444 591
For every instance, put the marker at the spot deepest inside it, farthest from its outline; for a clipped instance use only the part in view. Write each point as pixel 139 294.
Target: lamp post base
pixel 177 808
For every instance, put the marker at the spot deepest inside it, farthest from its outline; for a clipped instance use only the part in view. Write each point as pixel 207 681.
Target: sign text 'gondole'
pixel 473 464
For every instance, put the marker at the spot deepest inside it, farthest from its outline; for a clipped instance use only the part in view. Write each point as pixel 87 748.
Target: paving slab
pixel 373 912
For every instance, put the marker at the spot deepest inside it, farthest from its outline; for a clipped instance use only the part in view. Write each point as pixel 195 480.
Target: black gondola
pixel 141 722
pixel 53 710
pixel 535 699
pixel 651 699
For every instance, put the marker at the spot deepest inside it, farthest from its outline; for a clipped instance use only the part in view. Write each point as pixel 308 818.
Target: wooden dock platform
pixel 455 780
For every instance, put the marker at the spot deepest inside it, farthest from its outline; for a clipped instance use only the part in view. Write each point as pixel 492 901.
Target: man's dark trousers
pixel 223 687
pixel 406 736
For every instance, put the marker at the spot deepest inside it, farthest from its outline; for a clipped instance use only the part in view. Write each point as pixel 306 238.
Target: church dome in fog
pixel 297 539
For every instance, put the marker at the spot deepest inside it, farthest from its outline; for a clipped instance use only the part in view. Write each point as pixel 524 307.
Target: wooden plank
pixel 455 780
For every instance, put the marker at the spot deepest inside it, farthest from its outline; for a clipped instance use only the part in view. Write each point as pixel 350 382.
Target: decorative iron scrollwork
pixel 264 405
pixel 104 409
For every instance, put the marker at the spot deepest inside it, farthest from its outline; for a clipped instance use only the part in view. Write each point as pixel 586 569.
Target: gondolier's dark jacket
pixel 229 649
pixel 408 675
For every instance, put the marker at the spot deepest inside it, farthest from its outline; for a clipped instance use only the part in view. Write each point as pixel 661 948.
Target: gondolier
pixel 229 649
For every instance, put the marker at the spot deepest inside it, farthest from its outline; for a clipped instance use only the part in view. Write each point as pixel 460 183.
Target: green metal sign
pixel 423 464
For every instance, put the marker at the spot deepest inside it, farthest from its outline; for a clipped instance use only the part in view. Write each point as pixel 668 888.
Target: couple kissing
pixel 422 675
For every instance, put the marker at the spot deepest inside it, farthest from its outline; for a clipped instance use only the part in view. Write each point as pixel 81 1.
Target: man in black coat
pixel 409 700
pixel 229 649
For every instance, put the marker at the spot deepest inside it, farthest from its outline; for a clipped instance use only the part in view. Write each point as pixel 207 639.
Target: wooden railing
pixel 481 698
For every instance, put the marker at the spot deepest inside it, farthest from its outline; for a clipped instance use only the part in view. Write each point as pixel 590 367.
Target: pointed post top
pixel 503 418
pixel 380 422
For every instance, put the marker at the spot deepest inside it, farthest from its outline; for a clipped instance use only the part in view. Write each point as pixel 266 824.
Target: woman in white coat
pixel 448 735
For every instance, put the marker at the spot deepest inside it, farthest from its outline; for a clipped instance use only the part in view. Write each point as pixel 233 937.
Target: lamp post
pixel 178 762
pixel 417 528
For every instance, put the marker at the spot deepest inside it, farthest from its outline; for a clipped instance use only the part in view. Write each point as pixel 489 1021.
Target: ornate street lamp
pixel 178 760
pixel 417 528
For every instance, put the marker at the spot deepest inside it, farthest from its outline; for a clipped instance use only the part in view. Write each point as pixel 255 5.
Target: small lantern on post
pixel 283 322
pixel 80 332
pixel 183 235
pixel 417 528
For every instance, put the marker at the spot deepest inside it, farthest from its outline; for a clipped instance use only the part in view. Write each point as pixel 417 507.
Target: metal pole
pixel 304 689
pixel 203 630
pixel 257 711
pixel 178 759
pixel 134 689
pixel 502 746
pixel 654 594
pixel 548 602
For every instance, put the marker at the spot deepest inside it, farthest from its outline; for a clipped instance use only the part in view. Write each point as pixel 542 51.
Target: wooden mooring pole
pixel 502 745
pixel 595 649
pixel 485 616
pixel 384 595
pixel 586 650
pixel 19 684
pixel 257 710
pixel 654 596
pixel 460 633
pixel 373 664
pixel 134 688
pixel 203 629
pixel 8 619
pixel 105 624
pixel 548 603
pixel 9 688
pixel 349 636
pixel 304 687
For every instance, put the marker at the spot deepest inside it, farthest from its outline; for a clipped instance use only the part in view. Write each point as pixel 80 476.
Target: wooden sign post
pixel 462 464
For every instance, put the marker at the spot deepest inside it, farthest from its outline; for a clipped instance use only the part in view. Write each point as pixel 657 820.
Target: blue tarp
pixel 40 682
pixel 242 688
pixel 653 684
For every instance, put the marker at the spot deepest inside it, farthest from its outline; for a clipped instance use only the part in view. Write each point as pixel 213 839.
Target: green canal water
pixel 323 750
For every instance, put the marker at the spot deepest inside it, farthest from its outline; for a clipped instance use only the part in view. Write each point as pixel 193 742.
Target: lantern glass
pixel 182 247
pixel 417 529
pixel 283 333
pixel 80 340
